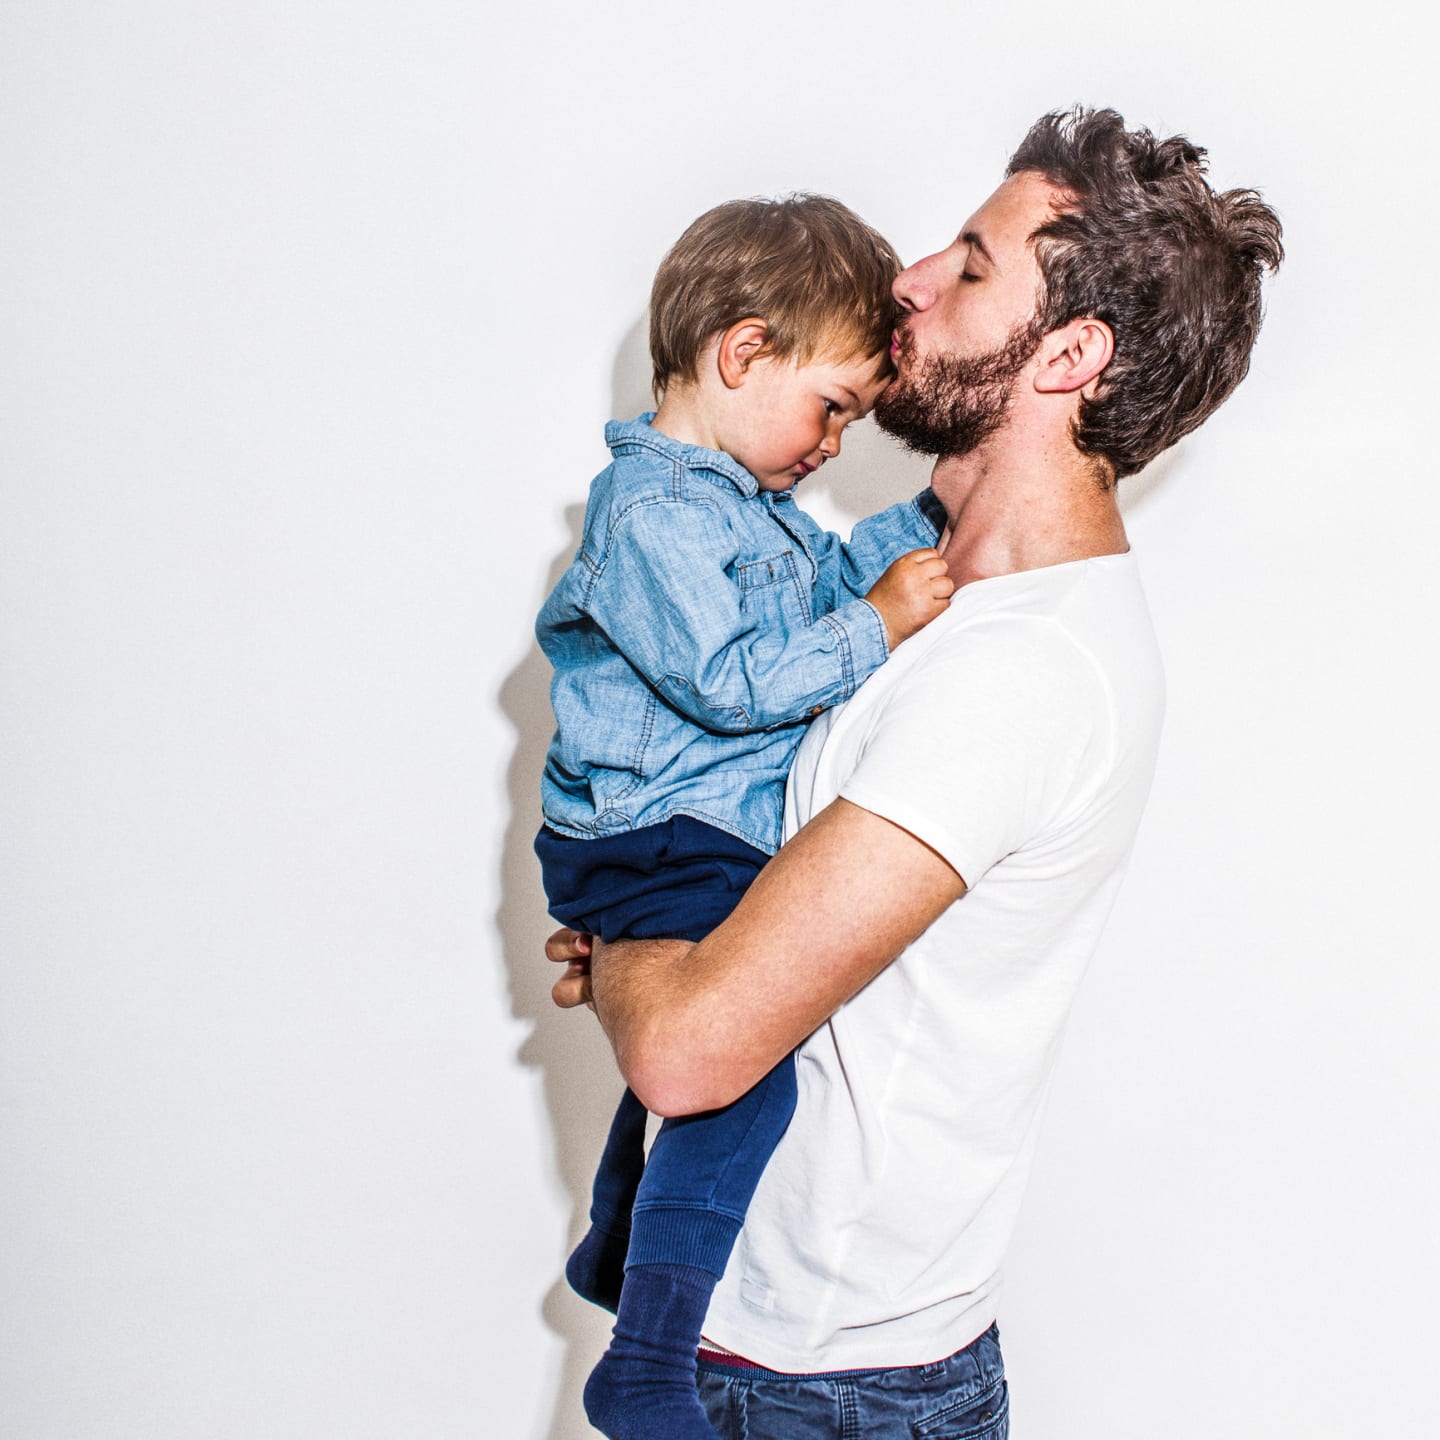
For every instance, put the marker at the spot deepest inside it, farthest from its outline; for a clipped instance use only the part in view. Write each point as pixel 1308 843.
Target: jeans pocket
pixel 985 1416
pixel 723 1400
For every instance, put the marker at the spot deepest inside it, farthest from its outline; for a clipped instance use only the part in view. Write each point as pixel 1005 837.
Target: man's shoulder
pixel 1053 637
pixel 1078 603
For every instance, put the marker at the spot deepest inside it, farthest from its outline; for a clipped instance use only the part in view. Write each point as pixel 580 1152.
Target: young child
pixel 704 621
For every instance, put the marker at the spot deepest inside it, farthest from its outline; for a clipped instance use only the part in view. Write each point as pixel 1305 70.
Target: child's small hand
pixel 911 593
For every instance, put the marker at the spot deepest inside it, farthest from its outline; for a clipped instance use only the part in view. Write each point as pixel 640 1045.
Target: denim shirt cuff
pixel 863 647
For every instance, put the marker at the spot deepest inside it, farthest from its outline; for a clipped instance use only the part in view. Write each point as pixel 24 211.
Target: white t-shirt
pixel 1016 736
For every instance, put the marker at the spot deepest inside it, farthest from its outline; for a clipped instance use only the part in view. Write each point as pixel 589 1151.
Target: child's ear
pixel 739 345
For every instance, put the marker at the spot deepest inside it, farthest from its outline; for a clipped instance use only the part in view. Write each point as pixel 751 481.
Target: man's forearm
pixel 693 1028
pixel 685 1036
pixel 635 986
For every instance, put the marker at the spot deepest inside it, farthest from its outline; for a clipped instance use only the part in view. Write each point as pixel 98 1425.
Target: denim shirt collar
pixel 621 435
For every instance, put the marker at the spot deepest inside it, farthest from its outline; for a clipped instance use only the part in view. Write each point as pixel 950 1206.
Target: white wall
pixel 310 316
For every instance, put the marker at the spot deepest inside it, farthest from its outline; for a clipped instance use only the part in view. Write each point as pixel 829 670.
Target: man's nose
pixel 914 288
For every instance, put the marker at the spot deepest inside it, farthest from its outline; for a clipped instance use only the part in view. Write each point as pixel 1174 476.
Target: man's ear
pixel 1072 357
pixel 739 345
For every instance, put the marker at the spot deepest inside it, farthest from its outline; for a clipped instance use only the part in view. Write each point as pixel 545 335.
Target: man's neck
pixel 1024 509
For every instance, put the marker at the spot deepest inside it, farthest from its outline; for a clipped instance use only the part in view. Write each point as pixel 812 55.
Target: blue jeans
pixel 962 1398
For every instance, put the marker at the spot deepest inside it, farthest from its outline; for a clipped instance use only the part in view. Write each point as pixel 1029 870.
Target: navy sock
pixel 644 1386
pixel 596 1267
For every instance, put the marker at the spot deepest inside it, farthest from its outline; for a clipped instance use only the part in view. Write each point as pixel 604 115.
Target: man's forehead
pixel 1012 213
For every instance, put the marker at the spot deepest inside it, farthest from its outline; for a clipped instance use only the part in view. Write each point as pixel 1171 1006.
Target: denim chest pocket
pixel 770 590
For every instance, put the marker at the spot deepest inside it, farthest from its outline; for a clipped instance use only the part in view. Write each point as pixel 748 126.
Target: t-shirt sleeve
pixel 986 744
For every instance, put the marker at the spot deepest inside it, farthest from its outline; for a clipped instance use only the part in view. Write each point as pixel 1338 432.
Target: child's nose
pixel 830 446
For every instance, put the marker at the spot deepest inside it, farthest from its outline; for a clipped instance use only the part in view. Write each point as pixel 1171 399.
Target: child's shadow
pixel 581 1084
pixel 580 1080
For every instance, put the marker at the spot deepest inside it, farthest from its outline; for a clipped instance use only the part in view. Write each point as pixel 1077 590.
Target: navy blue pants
pixel 677 880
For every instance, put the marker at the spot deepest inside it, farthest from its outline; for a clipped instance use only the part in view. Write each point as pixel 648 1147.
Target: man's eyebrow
pixel 972 237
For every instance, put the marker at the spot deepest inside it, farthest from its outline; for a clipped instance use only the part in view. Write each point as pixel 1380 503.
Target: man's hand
pixel 911 593
pixel 572 949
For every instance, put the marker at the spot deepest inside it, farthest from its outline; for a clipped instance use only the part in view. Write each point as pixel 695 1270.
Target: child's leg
pixel 677 880
pixel 596 1267
pixel 702 1173
pixel 698 1182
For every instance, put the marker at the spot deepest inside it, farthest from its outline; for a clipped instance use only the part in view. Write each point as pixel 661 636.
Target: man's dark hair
pixel 1143 243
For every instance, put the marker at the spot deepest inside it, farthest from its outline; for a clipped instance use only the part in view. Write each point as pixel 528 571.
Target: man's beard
pixel 948 405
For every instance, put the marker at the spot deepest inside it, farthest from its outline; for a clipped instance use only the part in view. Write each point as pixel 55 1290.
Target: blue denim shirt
pixel 701 624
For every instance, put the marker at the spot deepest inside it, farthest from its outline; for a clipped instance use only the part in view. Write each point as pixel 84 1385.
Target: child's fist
pixel 911 593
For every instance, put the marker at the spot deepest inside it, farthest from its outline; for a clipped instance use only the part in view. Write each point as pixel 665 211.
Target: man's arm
pixel 695 1027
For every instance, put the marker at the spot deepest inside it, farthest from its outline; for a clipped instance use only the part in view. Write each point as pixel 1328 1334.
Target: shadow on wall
pixel 581 1084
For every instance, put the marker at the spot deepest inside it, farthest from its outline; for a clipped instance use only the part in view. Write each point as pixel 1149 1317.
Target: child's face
pixel 789 417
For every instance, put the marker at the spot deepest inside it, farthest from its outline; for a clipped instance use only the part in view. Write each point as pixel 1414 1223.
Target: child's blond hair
pixel 807 265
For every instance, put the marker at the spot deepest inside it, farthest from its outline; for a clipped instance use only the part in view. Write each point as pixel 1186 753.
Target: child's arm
pixel 721 641
pixel 850 569
pixel 913 590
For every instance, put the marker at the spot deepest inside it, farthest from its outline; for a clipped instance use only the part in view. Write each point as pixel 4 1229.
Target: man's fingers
pixel 573 987
pixel 567 945
pixel 571 948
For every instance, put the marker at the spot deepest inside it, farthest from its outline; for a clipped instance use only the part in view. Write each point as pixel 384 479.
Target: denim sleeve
pixel 849 570
pixel 665 597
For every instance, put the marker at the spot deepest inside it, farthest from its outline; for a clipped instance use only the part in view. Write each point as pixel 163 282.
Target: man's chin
pixel 910 418
pixel 950 405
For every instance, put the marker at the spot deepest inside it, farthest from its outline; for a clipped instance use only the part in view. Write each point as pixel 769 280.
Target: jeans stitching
pixel 924 1425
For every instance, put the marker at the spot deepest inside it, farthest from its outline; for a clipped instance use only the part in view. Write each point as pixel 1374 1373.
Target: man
pixel 957 832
